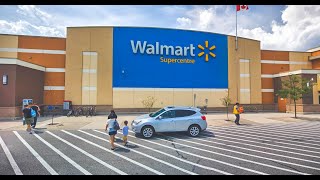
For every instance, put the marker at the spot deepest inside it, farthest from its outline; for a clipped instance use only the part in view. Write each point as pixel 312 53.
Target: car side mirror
pixel 159 117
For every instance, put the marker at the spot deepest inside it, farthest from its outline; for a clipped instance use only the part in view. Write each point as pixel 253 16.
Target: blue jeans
pixel 237 118
pixel 35 119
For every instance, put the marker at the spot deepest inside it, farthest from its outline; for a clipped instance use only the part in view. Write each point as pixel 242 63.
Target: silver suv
pixel 170 119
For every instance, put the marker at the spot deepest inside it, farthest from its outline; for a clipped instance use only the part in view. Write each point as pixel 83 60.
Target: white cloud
pixel 298 31
pixel 184 21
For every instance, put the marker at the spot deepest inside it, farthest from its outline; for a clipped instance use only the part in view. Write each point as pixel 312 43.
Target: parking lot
pixel 281 149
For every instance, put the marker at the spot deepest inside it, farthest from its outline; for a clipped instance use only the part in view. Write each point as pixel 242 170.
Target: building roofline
pixel 284 51
pixel 158 28
pixel 314 49
pixel 33 36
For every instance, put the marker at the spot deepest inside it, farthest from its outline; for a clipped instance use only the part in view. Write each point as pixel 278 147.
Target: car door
pixel 183 119
pixel 165 122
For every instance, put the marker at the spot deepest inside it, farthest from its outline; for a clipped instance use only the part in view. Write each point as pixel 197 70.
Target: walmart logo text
pixel 161 49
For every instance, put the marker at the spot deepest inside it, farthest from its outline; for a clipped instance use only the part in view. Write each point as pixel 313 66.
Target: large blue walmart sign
pixel 168 58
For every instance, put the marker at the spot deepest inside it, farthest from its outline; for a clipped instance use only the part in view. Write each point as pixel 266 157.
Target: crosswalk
pixel 272 149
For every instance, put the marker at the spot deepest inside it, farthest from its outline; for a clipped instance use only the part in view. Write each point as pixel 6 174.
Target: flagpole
pixel 236 30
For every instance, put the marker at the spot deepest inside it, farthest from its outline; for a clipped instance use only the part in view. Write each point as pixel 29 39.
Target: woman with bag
pixel 112 126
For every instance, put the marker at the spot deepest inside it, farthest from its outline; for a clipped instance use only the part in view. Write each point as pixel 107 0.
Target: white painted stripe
pixel 88 154
pixel 21 63
pixel 91 71
pixel 274 62
pixel 244 90
pixel 44 51
pixel 55 70
pixel 87 53
pixel 246 169
pixel 174 157
pixel 267 90
pixel 298 62
pixel 12 162
pixel 287 133
pixel 245 60
pixel 237 142
pixel 89 88
pixel 169 89
pixel 35 154
pixel 292 133
pixel 9 50
pixel 244 75
pixel 143 154
pixel 266 75
pixel 269 136
pixel 254 162
pixel 74 164
pixel 283 62
pixel 57 88
pixel 112 152
pixel 203 157
pixel 276 160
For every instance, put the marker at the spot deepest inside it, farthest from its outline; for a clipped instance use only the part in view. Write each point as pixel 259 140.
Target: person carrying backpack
pixel 112 115
pixel 112 126
pixel 26 112
pixel 36 108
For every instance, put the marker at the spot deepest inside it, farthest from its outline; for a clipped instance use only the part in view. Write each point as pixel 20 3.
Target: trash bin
pixel 67 105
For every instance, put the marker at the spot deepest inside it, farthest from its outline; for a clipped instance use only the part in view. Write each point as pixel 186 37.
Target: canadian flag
pixel 242 7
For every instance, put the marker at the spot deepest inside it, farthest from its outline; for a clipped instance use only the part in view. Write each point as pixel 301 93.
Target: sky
pixel 278 27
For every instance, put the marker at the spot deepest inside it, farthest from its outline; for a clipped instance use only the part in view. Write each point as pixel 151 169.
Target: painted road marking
pixel 214 147
pixel 280 134
pixel 88 154
pixel 76 165
pixel 243 139
pixel 174 157
pixel 210 159
pixel 267 136
pixel 13 163
pixel 146 155
pixel 110 151
pixel 268 153
pixel 41 160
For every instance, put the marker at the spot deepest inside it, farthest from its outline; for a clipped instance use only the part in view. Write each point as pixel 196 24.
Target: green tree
pixel 149 102
pixel 294 88
pixel 226 101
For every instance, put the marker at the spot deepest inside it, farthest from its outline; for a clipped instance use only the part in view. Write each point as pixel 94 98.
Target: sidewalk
pixel 98 122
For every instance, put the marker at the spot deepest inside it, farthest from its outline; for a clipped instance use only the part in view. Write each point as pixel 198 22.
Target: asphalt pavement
pixel 259 149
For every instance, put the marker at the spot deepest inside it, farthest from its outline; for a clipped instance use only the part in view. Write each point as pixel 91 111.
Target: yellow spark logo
pixel 202 48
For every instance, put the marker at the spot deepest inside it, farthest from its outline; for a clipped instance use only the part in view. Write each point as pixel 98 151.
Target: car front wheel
pixel 147 131
pixel 194 130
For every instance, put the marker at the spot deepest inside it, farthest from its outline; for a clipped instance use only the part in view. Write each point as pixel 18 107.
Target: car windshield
pixel 157 113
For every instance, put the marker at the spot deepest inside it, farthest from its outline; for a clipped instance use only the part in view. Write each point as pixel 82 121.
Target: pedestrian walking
pixel 112 126
pixel 125 132
pixel 36 108
pixel 26 112
pixel 236 112
pixel 112 115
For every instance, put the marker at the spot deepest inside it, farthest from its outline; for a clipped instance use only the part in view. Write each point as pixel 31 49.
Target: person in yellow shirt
pixel 236 112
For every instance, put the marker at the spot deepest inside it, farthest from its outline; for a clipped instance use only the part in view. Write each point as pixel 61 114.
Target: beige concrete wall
pixel 89 78
pixel 8 41
pixel 299 57
pixel 250 50
pixel 91 39
pixel 133 97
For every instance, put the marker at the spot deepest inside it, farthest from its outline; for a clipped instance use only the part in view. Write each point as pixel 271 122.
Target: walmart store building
pixel 118 67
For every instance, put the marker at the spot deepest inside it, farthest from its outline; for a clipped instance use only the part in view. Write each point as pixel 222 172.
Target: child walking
pixel 125 131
